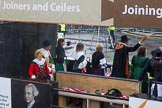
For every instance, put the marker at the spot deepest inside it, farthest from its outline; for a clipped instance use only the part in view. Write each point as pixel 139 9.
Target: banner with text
pixel 120 13
pixel 20 93
pixel 86 12
pixel 5 93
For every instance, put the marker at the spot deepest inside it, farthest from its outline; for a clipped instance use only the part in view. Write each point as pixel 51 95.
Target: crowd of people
pixel 44 68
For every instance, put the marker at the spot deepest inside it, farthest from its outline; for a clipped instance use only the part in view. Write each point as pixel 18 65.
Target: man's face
pixel 28 95
pixel 48 48
pixel 160 49
pixel 126 42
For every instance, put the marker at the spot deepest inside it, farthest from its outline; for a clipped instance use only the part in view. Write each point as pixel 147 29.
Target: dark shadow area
pixel 18 41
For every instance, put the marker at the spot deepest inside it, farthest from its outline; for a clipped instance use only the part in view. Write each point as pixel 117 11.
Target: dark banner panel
pixel 26 93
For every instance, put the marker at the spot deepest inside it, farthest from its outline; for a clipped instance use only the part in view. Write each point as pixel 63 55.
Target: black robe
pixel 121 60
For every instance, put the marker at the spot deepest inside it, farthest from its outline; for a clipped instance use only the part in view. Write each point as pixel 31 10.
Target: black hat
pixel 46 43
pixel 156 53
pixel 124 38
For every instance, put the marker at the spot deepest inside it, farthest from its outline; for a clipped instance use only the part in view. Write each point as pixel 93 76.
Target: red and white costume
pixel 39 70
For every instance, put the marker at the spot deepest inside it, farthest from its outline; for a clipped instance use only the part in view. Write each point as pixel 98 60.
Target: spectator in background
pixel 62 29
pixel 112 29
pixel 121 57
pixel 154 68
pixel 47 55
pixel 98 61
pixel 60 54
pixel 138 62
pixel 38 69
pixel 80 59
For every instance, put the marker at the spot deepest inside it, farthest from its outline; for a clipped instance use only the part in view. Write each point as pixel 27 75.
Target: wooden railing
pixel 91 83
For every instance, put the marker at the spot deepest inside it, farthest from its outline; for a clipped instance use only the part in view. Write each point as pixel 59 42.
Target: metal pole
pixel 98 34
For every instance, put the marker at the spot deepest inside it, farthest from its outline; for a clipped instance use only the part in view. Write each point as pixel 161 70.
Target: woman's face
pixel 63 43
pixel 49 47
pixel 40 54
pixel 28 94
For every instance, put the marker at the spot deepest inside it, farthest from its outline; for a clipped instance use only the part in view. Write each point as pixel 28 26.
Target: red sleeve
pixel 46 69
pixel 31 69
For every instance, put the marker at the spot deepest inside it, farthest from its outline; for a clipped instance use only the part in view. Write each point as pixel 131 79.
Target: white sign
pixel 143 103
pixel 5 93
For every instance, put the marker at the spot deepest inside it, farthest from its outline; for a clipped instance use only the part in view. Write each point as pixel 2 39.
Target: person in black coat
pixel 154 68
pixel 121 57
pixel 60 54
pixel 98 61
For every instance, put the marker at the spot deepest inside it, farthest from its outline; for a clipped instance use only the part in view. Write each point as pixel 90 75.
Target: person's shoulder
pixel 37 105
pixel 24 105
pixel 119 46
pixel 146 58
pixel 45 52
pixel 95 53
pixel 59 47
pixel 100 54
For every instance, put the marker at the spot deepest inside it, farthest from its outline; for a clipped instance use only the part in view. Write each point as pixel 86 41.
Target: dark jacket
pixel 154 67
pixel 60 53
pixel 96 57
pixel 35 105
pixel 121 60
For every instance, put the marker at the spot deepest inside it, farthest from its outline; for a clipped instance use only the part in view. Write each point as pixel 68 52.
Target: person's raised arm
pixel 131 49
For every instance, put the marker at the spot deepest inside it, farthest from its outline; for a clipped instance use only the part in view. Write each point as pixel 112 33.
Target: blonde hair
pixel 37 52
pixel 99 47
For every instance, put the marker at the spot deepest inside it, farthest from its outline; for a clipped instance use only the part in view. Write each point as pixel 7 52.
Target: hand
pixel 53 66
pixel 143 38
pixel 51 76
pixel 50 65
pixel 53 71
pixel 128 75
pixel 33 77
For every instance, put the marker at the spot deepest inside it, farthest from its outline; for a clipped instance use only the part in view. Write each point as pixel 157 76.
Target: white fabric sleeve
pixel 82 64
pixel 53 66
pixel 33 77
pixel 49 69
pixel 51 76
pixel 45 53
pixel 140 42
pixel 102 61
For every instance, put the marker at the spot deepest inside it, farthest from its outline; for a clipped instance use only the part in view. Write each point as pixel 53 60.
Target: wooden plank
pixel 91 83
pixel 94 104
pixel 90 97
pixel 62 101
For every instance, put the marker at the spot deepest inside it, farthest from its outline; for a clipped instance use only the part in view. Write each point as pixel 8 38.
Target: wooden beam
pixel 92 83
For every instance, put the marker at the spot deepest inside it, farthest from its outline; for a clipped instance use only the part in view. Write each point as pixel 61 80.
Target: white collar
pixel 43 49
pixel 79 54
pixel 123 44
pixel 31 103
pixel 39 62
pixel 46 51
